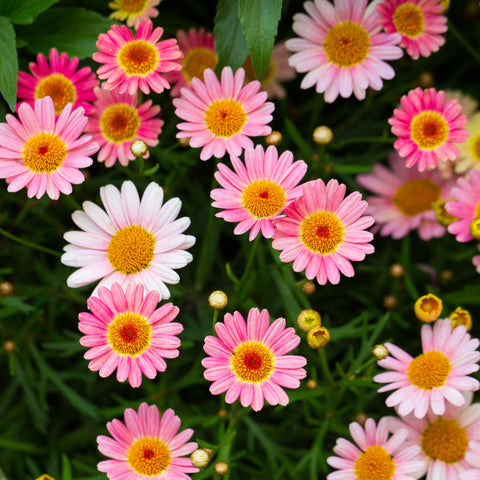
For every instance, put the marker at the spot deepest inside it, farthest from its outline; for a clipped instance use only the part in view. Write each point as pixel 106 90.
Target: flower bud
pixel 139 148
pixel 397 270
pixel 318 337
pixel 380 352
pixel 311 384
pixel 221 469
pixel 428 308
pixel 322 135
pixel 6 289
pixel 308 287
pixel 307 319
pixel 200 458
pixel 274 138
pixel 460 316
pixel 218 300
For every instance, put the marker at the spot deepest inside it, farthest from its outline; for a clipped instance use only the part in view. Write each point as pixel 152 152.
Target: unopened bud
pixel 475 228
pixel 221 469
pixel 6 289
pixel 308 319
pixel 380 352
pixel 200 458
pixel 322 135
pixel 460 316
pixel 443 217
pixel 9 346
pixel 426 79
pixel 139 148
pixel 184 141
pixel 361 418
pixel 218 300
pixel 311 384
pixel 308 287
pixel 428 308
pixel 390 301
pixel 318 337
pixel 397 270
pixel 274 138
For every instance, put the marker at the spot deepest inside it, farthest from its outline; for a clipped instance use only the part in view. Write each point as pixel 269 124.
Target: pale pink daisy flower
pixel 420 22
pixel 132 241
pixel 134 11
pixel 45 152
pixel 249 359
pixel 322 231
pixel 470 149
pixel 127 333
pixel 147 446
pixel 465 205
pixel 405 199
pixel 117 121
pixel 136 62
pixel 376 455
pixel 471 474
pixel 58 78
pixel 222 116
pixel 342 49
pixel 255 193
pixel 449 443
pixel 198 48
pixel 439 373
pixel 428 128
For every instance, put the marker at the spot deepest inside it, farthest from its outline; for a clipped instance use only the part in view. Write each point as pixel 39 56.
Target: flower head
pixel 322 231
pixel 147 446
pixel 439 373
pixel 342 49
pixel 134 11
pixel 44 152
pixel 249 359
pixel 222 116
pixel 255 193
pixel 136 62
pixel 470 149
pixel 118 121
pixel 427 128
pixel 127 333
pixel 132 241
pixel 420 22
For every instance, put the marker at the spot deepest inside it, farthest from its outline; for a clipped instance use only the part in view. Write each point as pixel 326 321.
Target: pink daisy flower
pixel 198 49
pixel 147 446
pixel 439 373
pixel 132 241
pixel 131 63
pixel 420 22
pixel 375 455
pixel 222 116
pixel 465 205
pixel 449 442
pixel 472 474
pixel 58 78
pixel 117 121
pixel 249 359
pixel 342 49
pixel 127 333
pixel 322 231
pixel 255 193
pixel 134 11
pixel 405 199
pixel 44 152
pixel 427 128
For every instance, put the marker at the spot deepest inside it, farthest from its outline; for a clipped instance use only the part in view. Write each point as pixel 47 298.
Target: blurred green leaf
pixel 24 11
pixel 8 63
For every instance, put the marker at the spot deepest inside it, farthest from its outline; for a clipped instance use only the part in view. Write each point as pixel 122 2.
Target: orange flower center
pixel 59 88
pixel 416 196
pixel 322 232
pixel 429 130
pixel 252 362
pixel 263 198
pixel 44 153
pixel 129 334
pixel 225 118
pixel 374 463
pixel 429 370
pixel 196 61
pixel 347 44
pixel 133 6
pixel 138 57
pixel 409 20
pixel 149 456
pixel 119 123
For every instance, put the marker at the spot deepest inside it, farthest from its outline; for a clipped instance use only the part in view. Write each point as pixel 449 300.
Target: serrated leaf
pixel 259 19
pixel 8 62
pixel 24 11
pixel 230 43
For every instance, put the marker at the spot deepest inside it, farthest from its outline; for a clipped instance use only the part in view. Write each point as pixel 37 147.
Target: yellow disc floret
pixel 416 196
pixel 322 232
pixel 263 198
pixel 149 456
pixel 347 44
pixel 196 61
pixel 252 362
pixel 445 440
pixel 225 118
pixel 59 88
pixel 129 334
pixel 138 57
pixel 429 370
pixel 44 153
pixel 374 463
pixel 119 123
pixel 429 130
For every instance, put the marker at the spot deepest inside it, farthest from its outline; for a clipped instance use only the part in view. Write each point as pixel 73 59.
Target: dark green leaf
pixel 8 62
pixel 24 11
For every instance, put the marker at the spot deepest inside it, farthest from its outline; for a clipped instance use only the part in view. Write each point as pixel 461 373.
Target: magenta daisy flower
pixel 439 373
pixel 249 359
pixel 420 22
pixel 132 241
pixel 222 116
pixel 427 128
pixel 117 121
pixel 127 333
pixel 405 199
pixel 44 152
pixel 58 78
pixel 342 49
pixel 322 231
pixel 147 446
pixel 465 205
pixel 255 193
pixel 134 11
pixel 375 455
pixel 136 62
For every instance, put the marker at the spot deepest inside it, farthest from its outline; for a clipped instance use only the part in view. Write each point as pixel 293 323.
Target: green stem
pixel 348 141
pixel 250 261
pixel 464 42
pixel 33 245
pixel 214 319
pixel 324 366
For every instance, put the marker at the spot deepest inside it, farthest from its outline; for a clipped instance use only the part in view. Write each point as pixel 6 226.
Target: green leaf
pixel 259 19
pixel 24 11
pixel 72 30
pixel 8 62
pixel 230 43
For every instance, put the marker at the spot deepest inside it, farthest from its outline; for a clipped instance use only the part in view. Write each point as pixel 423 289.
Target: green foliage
pixel 24 12
pixel 8 62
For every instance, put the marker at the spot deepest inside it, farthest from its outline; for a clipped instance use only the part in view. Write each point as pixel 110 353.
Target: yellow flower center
pixel 263 198
pixel 322 232
pixel 196 61
pixel 59 88
pixel 445 440
pixel 129 334
pixel 149 456
pixel 429 130
pixel 119 123
pixel 409 20
pixel 138 57
pixel 374 464
pixel 133 6
pixel 225 118
pixel 475 147
pixel 131 249
pixel 252 362
pixel 347 44
pixel 416 196
pixel 44 153
pixel 429 370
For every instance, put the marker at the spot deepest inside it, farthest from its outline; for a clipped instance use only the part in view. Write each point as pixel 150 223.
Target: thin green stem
pixel 464 42
pixel 324 366
pixel 250 262
pixel 29 244
pixel 214 319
